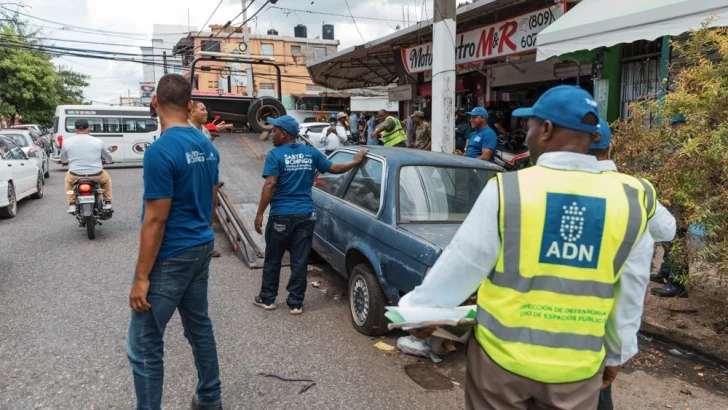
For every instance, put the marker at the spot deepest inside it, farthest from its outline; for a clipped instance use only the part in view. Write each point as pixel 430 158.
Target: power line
pixel 248 19
pixel 354 21
pixel 209 18
pixel 333 14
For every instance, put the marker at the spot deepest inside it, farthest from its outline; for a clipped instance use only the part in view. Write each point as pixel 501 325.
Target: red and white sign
pixel 513 36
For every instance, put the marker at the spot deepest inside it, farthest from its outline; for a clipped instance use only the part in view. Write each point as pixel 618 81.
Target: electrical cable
pixel 333 14
pixel 354 21
pixel 209 18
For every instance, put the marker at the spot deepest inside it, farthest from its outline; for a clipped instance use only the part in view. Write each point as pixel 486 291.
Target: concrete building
pixel 291 53
pixel 130 102
pixel 164 37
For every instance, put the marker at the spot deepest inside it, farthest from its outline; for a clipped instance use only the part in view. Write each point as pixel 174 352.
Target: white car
pixel 31 147
pixel 20 177
pixel 312 132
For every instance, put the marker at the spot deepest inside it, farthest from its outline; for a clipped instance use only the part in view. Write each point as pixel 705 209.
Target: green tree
pixel 30 85
pixel 688 164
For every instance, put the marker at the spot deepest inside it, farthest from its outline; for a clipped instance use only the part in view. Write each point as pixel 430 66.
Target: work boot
pixel 71 209
pixel 671 289
pixel 215 253
pixel 195 405
pixel 660 277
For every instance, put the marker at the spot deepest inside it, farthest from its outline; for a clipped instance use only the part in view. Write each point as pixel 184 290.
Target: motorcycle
pixel 512 153
pixel 90 205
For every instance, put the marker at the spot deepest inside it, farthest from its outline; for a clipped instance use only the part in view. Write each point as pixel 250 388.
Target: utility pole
pixel 248 67
pixel 443 77
pixel 164 62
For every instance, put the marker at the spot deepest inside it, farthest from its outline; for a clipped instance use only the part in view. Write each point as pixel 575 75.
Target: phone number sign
pixel 513 36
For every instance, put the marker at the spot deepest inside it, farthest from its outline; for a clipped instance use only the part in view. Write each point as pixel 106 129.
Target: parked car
pixel 42 134
pixel 20 177
pixel 31 147
pixel 383 224
pixel 312 132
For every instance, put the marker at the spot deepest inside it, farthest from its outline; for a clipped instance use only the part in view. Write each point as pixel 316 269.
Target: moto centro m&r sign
pixel 509 37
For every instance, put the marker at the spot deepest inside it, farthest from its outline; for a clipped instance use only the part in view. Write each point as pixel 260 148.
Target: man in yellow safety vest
pixel 390 130
pixel 546 248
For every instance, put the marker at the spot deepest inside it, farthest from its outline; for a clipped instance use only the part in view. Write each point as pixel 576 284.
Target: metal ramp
pixel 241 167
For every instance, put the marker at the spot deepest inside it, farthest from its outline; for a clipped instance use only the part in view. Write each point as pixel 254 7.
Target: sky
pixel 131 23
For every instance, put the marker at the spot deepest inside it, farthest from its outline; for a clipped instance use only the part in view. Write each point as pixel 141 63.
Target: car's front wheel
pixel 367 301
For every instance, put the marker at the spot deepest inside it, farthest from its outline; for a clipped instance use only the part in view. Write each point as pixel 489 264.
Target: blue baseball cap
pixel 287 123
pixel 479 111
pixel 565 106
pixel 606 135
pixel 678 119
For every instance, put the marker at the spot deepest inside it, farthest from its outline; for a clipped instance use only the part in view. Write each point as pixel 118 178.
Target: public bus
pixel 126 131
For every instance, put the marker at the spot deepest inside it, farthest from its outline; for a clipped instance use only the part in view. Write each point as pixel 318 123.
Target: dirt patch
pixel 698 322
pixel 427 377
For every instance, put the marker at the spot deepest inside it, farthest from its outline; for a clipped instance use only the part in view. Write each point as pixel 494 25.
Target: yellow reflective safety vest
pixel 394 137
pixel 565 236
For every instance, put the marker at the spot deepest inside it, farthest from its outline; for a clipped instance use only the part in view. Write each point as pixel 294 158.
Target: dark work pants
pixel 293 233
pixel 670 268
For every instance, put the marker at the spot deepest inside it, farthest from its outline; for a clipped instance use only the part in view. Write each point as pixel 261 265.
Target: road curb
pixel 684 341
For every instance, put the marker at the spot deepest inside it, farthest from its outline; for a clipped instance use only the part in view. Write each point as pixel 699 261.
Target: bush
pixel 687 164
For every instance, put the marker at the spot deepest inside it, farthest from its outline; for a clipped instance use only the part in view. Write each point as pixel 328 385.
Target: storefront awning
pixel 372 64
pixel 599 23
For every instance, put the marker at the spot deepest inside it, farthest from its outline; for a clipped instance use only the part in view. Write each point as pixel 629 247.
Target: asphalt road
pixel 64 318
pixel 65 315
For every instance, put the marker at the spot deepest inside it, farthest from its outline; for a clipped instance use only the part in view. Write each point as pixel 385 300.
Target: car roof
pixel 15 131
pixel 406 156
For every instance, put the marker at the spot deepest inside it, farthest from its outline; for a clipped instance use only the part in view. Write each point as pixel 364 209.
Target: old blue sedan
pixel 383 224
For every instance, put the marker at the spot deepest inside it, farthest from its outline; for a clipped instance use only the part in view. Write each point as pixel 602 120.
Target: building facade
pixel 290 53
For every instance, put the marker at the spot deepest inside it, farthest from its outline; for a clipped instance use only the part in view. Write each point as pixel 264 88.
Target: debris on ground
pixel 450 346
pixel 681 324
pixel 384 346
pixel 418 347
pixel 675 352
pixel 316 284
pixel 428 377
pixel 308 383
pixel 312 268
pixel 686 391
pixel 698 367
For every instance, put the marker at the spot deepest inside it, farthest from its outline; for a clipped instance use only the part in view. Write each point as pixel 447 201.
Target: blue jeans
pixel 372 141
pixel 295 233
pixel 178 283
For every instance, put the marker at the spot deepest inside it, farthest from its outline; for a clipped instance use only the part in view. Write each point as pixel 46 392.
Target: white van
pixel 126 131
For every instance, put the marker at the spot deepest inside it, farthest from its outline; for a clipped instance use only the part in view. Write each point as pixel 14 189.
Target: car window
pixel 365 189
pixel 18 139
pixel 15 151
pixel 4 150
pixel 446 194
pixel 317 128
pixel 113 125
pixel 55 125
pixel 331 183
pixel 34 136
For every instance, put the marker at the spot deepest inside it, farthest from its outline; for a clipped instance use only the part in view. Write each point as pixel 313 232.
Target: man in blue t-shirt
pixel 180 187
pixel 483 141
pixel 289 171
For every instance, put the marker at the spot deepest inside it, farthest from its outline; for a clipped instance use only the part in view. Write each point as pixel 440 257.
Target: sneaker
pixel 107 206
pixel 71 209
pixel 297 310
pixel 195 405
pixel 215 253
pixel 259 302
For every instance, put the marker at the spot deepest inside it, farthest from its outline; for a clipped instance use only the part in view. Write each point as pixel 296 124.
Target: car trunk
pixel 438 234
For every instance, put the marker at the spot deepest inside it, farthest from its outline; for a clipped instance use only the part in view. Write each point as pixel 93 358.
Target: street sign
pixel 401 93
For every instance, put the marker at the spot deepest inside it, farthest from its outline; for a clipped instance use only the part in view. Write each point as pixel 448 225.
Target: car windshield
pixel 439 194
pixel 18 139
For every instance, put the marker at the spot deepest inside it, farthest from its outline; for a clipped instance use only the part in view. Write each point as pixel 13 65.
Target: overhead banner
pixel 509 37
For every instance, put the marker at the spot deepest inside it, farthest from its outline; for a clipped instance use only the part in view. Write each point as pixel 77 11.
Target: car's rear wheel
pixel 39 186
pixel 12 209
pixel 366 301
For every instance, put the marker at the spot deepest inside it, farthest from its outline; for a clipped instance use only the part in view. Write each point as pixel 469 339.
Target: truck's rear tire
pixel 260 110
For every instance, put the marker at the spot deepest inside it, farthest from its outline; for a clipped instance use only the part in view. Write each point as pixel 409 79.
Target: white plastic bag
pixel 417 347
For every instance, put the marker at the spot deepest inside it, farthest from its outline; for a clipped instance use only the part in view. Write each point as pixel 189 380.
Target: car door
pixel 327 187
pixel 23 171
pixel 355 215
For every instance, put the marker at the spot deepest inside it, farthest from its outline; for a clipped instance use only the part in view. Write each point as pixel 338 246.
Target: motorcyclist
pixel 83 154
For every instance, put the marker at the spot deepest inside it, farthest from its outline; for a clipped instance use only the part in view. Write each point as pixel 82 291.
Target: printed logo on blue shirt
pixel 195 156
pixel 298 162
pixel 573 230
pixel 477 139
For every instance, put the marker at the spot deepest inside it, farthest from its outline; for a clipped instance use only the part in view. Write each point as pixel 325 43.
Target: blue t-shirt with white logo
pixel 295 165
pixel 484 138
pixel 182 164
